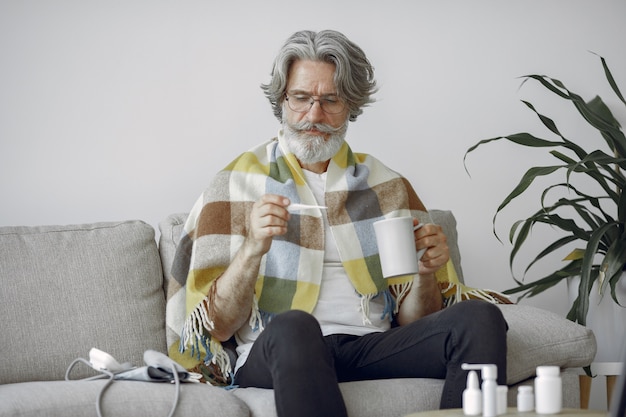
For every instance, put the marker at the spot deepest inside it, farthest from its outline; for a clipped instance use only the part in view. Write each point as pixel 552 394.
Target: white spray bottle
pixel 472 397
pixel 489 373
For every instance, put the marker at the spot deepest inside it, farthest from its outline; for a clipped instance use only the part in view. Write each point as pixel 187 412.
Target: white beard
pixel 311 149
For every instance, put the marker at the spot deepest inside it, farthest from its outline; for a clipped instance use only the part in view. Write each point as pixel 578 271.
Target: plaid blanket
pixel 359 191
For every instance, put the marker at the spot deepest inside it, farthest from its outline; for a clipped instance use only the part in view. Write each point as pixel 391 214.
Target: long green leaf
pixel 547 122
pixel 519 240
pixel 535 287
pixel 582 198
pixel 606 124
pixel 588 272
pixel 554 246
pixel 620 251
pixel 613 264
pixel 526 181
pixel 603 159
pixel 547 82
pixel 621 209
pixel 590 165
pixel 524 139
pixel 611 80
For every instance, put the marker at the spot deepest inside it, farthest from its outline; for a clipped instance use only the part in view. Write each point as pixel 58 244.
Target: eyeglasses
pixel 302 103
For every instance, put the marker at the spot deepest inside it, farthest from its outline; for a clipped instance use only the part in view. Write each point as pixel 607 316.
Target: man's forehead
pixel 312 77
pixel 296 91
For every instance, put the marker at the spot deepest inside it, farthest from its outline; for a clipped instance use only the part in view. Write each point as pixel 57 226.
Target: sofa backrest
pixel 66 289
pixel 172 227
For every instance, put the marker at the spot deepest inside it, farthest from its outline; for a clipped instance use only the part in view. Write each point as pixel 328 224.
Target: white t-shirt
pixel 338 308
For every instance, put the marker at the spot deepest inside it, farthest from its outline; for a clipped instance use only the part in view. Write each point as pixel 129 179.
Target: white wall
pixel 125 109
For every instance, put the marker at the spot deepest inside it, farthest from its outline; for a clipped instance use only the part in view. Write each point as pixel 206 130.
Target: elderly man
pixel 301 290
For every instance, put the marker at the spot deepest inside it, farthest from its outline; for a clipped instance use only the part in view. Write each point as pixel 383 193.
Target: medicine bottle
pixel 525 399
pixel 472 397
pixel 548 390
pixel 501 400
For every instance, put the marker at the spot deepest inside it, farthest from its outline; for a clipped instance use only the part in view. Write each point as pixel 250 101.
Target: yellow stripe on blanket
pixel 305 297
pixel 248 162
pixel 357 268
pixel 200 284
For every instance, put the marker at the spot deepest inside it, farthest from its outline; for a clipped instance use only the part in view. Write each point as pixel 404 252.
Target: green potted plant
pixel 593 220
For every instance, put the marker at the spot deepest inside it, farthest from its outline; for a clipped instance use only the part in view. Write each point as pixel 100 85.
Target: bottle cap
pixel 525 399
pixel 548 371
pixel 490 371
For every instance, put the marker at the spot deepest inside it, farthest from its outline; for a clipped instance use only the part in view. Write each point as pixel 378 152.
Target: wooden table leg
pixel 610 385
pixel 585 391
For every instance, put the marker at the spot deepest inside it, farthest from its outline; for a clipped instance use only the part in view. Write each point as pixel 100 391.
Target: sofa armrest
pixel 540 337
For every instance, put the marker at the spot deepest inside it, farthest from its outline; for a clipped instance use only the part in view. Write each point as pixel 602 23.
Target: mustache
pixel 322 127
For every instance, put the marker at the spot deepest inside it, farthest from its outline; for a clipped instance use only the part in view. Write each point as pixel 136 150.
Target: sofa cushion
pixel 72 288
pixel 389 397
pixel 540 337
pixel 121 399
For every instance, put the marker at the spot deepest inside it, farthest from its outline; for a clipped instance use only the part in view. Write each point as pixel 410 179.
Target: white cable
pixel 105 373
pixel 176 396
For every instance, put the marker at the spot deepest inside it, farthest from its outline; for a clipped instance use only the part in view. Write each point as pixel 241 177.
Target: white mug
pixel 396 246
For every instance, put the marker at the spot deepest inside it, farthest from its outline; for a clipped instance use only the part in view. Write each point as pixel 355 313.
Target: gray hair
pixel 354 75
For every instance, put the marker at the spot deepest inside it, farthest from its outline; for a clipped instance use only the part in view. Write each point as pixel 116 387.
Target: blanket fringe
pixel 194 337
pixel 220 357
pixel 194 325
pixel 390 305
pixel 393 298
pixel 365 308
pixel 455 293
pixel 400 291
pixel 256 321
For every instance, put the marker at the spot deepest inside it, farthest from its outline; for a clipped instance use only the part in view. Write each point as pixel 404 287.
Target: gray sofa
pixel 66 289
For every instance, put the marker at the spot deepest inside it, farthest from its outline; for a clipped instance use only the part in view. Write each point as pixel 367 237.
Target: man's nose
pixel 315 113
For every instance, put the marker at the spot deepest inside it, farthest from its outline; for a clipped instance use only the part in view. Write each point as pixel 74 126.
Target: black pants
pixel 304 368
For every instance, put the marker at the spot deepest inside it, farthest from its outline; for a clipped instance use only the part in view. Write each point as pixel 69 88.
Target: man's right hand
pixel 234 289
pixel 268 218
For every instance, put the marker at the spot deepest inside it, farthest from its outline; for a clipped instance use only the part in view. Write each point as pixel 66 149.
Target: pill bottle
pixel 548 390
pixel 501 401
pixel 525 399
